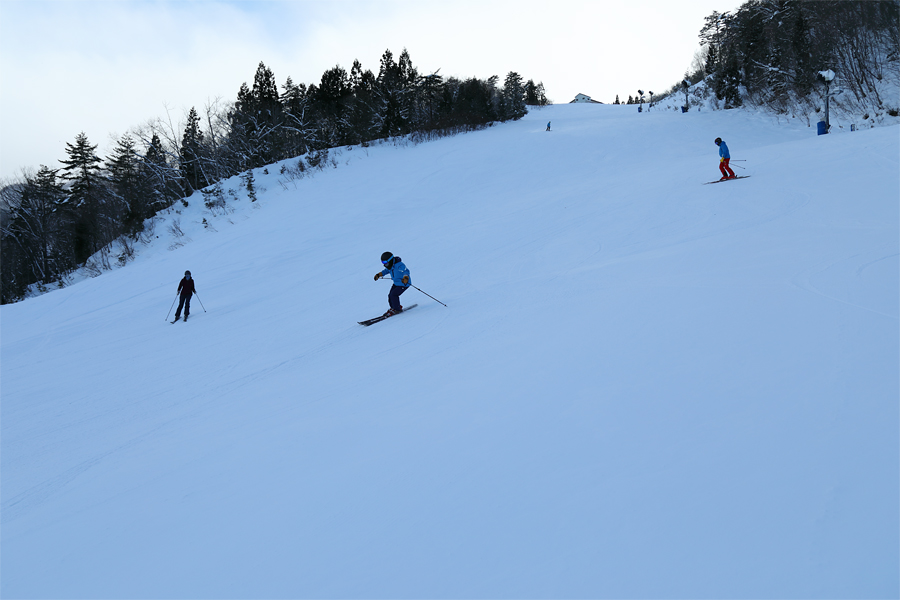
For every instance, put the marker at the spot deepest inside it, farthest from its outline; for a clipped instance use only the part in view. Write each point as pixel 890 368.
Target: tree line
pixel 771 51
pixel 55 219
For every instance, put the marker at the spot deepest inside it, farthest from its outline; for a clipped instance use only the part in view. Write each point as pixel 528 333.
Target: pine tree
pixel 390 102
pixel 296 125
pixel 163 179
pixel 249 183
pixel 257 120
pixel 192 153
pixel 132 185
pixel 269 144
pixel 535 95
pixel 388 71
pixel 542 95
pixel 82 170
pixel 359 115
pixel 331 101
pixel 242 119
pixel 530 93
pixel 711 36
pixel 87 200
pixel 265 92
pixel 430 94
pixel 407 72
pixel 513 97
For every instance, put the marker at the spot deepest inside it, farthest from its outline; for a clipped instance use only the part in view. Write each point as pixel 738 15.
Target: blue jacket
pixel 397 272
pixel 723 150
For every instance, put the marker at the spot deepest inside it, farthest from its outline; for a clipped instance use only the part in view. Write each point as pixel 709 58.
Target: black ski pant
pixel 185 302
pixel 394 296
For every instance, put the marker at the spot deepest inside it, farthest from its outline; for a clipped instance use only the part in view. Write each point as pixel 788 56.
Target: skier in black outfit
pixel 186 289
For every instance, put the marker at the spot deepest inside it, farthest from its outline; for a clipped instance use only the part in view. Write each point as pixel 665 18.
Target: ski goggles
pixel 384 262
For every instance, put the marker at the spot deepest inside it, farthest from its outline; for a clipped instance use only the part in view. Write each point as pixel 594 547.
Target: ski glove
pixel 406 279
pixel 377 276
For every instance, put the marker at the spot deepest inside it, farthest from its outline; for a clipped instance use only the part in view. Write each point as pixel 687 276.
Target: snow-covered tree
pixel 513 97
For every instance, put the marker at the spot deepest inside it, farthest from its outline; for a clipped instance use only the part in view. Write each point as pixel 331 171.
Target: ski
pixel 382 317
pixel 724 180
pixel 368 322
pixel 176 320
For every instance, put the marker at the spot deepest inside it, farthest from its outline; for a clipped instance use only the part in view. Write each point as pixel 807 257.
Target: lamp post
pixel 828 76
pixel 685 85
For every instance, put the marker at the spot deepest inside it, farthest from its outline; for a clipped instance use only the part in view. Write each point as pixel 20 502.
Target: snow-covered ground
pixel 641 387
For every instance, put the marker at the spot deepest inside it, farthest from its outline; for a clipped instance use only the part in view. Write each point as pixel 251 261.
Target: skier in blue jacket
pixel 400 276
pixel 724 159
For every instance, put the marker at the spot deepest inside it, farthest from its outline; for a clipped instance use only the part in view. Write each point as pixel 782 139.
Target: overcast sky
pixel 104 67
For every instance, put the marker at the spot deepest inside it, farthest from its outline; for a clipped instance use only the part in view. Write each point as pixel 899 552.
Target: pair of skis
pixel 365 323
pixel 729 179
pixel 383 317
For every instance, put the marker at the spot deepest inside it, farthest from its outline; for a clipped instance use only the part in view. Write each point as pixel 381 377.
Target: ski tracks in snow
pixel 850 270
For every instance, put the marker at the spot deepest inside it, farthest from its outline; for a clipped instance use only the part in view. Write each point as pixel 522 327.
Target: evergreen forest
pixel 61 218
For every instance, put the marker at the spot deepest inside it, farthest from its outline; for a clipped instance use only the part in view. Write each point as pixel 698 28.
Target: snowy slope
pixel 641 387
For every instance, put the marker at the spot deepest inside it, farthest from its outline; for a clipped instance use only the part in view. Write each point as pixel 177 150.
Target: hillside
pixel 641 387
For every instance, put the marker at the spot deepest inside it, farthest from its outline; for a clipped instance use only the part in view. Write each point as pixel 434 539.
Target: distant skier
pixel 724 159
pixel 548 125
pixel 186 290
pixel 400 276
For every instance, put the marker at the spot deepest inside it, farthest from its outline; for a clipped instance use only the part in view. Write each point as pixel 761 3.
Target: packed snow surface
pixel 641 386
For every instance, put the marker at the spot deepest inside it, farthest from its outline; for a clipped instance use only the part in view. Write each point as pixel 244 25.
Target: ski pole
pixel 429 295
pixel 170 308
pixel 200 301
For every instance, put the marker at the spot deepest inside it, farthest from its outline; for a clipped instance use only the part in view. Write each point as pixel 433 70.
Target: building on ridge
pixel 584 99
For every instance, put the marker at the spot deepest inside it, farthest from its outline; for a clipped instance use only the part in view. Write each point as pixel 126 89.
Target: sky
pixel 103 68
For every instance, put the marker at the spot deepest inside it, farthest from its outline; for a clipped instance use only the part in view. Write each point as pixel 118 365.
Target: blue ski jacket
pixel 397 272
pixel 723 150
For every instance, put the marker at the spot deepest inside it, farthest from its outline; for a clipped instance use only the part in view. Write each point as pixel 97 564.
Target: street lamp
pixel 828 76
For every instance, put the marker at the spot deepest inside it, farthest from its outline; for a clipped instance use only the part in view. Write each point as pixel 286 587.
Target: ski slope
pixel 641 386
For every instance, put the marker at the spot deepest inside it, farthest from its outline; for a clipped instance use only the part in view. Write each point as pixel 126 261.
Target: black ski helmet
pixel 718 141
pixel 385 257
pixel 187 273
